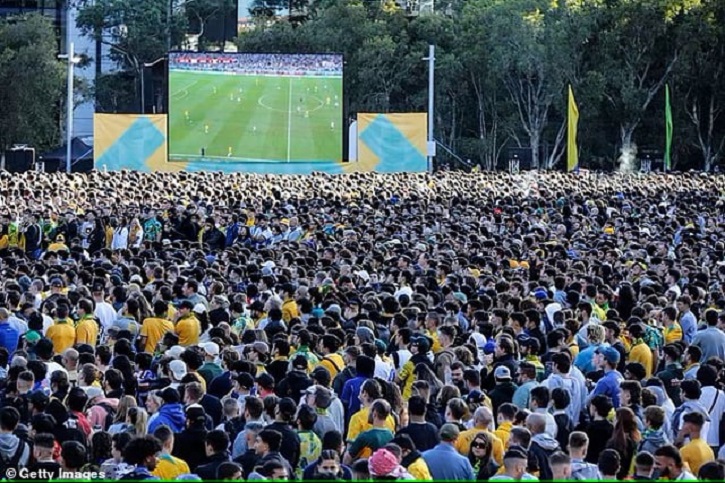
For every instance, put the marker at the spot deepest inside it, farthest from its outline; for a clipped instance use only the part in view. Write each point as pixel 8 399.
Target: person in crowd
pixel 451 326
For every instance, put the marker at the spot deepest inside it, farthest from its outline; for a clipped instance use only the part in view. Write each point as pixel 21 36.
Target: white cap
pixel 178 368
pixel 136 278
pixel 199 308
pixel 211 348
pixel 175 351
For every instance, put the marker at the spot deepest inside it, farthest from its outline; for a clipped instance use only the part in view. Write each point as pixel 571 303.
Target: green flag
pixel 668 129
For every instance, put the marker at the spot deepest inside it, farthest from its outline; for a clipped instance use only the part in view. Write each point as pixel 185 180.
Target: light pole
pixel 431 98
pixel 143 81
pixel 72 60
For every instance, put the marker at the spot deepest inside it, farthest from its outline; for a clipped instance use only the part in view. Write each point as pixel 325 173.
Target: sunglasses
pixel 479 445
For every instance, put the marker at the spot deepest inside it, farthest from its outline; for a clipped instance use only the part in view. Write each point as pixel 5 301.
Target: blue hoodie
pixel 172 415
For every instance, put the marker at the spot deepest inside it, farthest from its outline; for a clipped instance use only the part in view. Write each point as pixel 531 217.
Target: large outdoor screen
pixel 255 107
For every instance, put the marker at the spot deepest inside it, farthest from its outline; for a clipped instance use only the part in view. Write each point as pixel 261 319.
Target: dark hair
pixel 163 433
pixel 306 417
pixel 609 462
pixel 541 395
pixel 139 449
pixel 602 405
pixel 73 454
pixel 670 451
pixel 9 418
pixel 227 469
pixel 218 440
pixel 121 440
pixel 417 406
pixel 332 440
pixel 561 398
pixel 271 438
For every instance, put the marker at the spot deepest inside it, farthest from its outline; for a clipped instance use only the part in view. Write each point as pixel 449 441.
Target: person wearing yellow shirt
pixel 87 327
pixel 290 310
pixel 419 347
pixel 168 467
pixel 361 421
pixel 697 452
pixel 187 327
pixel 640 351
pixel 505 420
pixel 432 322
pixel 412 460
pixel 330 360
pixel 58 245
pixel 482 419
pixel 154 328
pixel 672 328
pixel 62 333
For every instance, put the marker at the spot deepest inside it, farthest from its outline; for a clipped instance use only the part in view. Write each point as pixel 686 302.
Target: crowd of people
pixel 260 64
pixel 481 326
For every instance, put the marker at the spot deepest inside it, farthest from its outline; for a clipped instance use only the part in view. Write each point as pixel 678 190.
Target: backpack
pixel 110 415
pixel 14 461
pixel 233 427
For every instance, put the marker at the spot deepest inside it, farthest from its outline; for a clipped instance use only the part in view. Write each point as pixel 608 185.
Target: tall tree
pixel 33 80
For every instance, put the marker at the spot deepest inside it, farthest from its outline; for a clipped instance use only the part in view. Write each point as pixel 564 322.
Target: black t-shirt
pixel 424 435
pixel 599 433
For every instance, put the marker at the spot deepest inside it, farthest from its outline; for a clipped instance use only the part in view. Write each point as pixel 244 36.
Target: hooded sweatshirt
pixel 542 447
pixel 653 440
pixel 581 470
pixel 576 394
pixel 172 415
pixel 690 406
pixel 9 445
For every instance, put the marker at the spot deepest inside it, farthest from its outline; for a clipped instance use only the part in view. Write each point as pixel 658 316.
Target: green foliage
pixel 502 66
pixel 33 80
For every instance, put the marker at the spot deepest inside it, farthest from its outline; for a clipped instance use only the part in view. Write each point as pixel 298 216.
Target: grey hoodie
pixel 9 444
pixel 653 440
pixel 581 470
pixel 546 441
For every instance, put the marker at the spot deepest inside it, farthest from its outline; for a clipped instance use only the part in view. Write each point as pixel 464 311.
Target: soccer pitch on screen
pixel 255 107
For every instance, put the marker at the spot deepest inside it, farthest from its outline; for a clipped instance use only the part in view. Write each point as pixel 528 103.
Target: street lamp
pixel 431 98
pixel 72 60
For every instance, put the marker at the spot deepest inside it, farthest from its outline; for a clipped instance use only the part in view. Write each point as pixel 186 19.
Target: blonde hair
pixel 595 334
pixel 126 403
pixel 138 418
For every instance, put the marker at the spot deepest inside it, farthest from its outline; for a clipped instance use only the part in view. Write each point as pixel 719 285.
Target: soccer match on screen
pixel 255 107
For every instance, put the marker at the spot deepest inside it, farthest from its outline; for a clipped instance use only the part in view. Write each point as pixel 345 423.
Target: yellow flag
pixel 572 158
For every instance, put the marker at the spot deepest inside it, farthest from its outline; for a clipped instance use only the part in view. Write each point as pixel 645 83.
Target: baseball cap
pixel 199 308
pixel 613 326
pixel 502 373
pixel 178 368
pixel 261 347
pixel 175 351
pixel 211 348
pixel 421 342
pixel 610 354
pixel 449 432
pixel 195 413
pixel 299 362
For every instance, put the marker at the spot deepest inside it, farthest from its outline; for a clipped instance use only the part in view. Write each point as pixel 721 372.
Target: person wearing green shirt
pixel 372 439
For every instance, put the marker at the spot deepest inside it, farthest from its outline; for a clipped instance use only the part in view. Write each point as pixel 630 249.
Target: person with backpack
pixel 14 452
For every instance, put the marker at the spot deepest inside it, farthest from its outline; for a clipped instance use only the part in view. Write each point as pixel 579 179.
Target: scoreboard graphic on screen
pixel 255 107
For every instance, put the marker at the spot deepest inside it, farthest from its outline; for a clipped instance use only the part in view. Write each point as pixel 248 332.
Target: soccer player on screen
pixel 332 126
pixel 229 153
pixel 206 129
pixel 186 115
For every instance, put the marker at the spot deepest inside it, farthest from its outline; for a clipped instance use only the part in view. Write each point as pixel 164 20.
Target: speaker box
pixel 19 160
